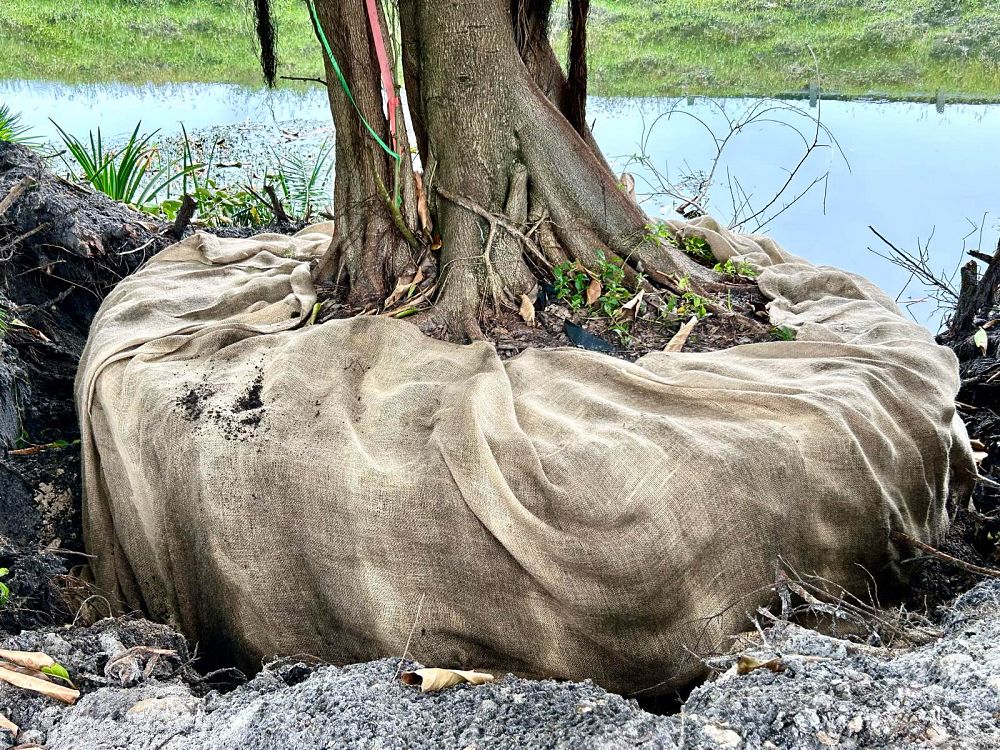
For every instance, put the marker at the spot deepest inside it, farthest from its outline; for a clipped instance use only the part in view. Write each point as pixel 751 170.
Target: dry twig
pixel 944 556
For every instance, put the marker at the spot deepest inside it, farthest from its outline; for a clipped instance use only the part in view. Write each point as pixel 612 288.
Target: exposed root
pixel 495 220
pixel 944 556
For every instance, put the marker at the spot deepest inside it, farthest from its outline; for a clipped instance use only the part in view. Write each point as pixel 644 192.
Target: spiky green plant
pixel 134 173
pixel 12 131
pixel 304 181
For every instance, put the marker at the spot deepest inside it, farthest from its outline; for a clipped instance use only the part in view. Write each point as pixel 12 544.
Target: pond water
pixel 914 171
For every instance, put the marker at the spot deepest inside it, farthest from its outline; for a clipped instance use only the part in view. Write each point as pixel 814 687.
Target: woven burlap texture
pixel 273 488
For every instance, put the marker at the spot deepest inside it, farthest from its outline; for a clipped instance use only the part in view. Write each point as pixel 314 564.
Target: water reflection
pixel 910 168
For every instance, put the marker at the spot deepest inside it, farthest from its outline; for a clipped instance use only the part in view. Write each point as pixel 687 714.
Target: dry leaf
pixel 681 337
pixel 630 310
pixel 7 725
pixel 594 291
pixel 979 456
pixel 977 445
pixel 402 286
pixel 633 304
pixel 981 340
pixel 423 212
pixel 29 451
pixel 528 310
pixel 747 664
pixel 18 323
pixel 37 685
pixel 438 679
pixel 31 659
pixel 627 183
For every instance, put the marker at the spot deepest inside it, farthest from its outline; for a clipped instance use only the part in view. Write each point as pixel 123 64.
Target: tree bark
pixel 368 254
pixel 489 106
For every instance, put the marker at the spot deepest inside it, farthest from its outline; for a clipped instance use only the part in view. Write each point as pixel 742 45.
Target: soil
pixel 237 418
pixel 737 316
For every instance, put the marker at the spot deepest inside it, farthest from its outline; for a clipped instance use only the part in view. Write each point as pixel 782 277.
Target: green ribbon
pixel 343 81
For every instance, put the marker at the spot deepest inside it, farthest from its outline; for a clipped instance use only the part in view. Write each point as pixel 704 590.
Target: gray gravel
pixel 832 693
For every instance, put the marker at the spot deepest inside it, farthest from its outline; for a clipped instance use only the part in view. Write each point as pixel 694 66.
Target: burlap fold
pixel 275 488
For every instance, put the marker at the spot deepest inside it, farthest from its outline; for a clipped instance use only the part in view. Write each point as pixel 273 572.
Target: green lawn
pixel 896 47
pixel 638 47
pixel 139 41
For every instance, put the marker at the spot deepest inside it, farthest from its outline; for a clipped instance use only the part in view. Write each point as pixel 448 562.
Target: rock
pixel 832 693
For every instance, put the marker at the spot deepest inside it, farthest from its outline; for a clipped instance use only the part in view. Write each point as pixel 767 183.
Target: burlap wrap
pixel 562 513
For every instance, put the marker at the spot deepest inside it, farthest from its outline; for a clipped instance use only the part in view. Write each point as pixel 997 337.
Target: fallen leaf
pixel 633 304
pixel 423 212
pixel 631 308
pixel 979 456
pixel 528 310
pixel 7 725
pixel 18 323
pixel 29 451
pixel 747 664
pixel 680 338
pixel 594 291
pixel 31 659
pixel 977 445
pixel 981 340
pixel 37 685
pixel 438 679
pixel 402 286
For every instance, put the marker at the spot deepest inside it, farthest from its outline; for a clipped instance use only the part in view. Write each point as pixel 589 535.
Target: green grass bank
pixel 899 48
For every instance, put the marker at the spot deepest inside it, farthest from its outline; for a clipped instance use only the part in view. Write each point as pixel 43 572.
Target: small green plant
pixel 4 588
pixel 58 671
pixel 614 293
pixel 4 323
pixel 687 302
pixel 219 206
pixel 736 269
pixel 783 333
pixel 657 232
pixel 12 131
pixel 573 282
pixel 696 247
pixel 135 173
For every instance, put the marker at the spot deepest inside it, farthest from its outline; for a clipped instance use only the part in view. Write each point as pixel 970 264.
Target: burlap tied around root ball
pixel 272 487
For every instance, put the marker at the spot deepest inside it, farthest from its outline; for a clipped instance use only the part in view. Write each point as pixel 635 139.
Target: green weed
pixel 686 303
pixel 12 131
pixel 658 232
pixel 573 281
pixel 135 173
pixel 636 47
pixel 736 269
pixel 783 333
